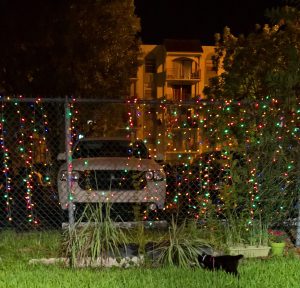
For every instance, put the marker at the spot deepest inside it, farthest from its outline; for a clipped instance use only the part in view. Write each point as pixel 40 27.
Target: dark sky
pixel 192 19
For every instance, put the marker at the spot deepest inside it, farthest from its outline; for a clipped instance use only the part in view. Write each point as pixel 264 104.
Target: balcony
pixel 177 75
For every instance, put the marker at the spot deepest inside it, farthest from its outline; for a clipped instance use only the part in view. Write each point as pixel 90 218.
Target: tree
pixel 257 110
pixel 263 63
pixel 55 48
pixel 260 67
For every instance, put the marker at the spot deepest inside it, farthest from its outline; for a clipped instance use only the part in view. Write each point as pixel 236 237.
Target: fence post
pixel 298 207
pixel 68 146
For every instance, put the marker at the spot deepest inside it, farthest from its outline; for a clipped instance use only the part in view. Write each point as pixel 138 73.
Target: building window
pixel 150 66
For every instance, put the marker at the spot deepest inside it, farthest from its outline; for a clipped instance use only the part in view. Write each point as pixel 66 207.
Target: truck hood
pixel 113 163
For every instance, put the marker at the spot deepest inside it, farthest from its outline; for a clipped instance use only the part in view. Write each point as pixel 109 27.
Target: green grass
pixel 21 247
pixel 17 249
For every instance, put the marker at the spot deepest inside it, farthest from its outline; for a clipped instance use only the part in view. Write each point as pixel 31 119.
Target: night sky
pixel 192 19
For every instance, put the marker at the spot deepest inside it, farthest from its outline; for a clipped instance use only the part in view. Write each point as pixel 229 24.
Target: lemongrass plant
pixel 179 247
pixel 93 236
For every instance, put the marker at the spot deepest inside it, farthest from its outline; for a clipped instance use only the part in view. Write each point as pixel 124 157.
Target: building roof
pixel 176 45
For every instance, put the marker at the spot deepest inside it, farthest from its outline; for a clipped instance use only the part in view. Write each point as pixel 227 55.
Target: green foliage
pixel 18 248
pixel 76 48
pixel 260 66
pixel 258 113
pixel 274 273
pixel 181 246
pixel 240 231
pixel 263 63
pixel 234 232
pixel 108 120
pixel 94 235
pixel 213 231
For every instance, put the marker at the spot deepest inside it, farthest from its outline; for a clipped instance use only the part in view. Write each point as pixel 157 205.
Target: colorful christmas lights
pixel 181 133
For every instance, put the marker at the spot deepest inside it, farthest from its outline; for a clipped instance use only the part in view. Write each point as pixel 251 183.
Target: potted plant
pixel 251 240
pixel 277 241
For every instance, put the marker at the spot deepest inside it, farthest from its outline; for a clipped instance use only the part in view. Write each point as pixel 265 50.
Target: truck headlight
pixel 152 206
pixel 156 175
pixel 64 175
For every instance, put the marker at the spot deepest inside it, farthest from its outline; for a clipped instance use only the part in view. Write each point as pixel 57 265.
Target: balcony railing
pixel 174 74
pixel 183 96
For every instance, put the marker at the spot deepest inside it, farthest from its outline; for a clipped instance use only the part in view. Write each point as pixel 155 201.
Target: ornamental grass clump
pixel 179 247
pixel 96 238
pixel 277 236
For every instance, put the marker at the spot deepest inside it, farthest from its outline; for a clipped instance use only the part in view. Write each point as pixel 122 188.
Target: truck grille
pixel 112 180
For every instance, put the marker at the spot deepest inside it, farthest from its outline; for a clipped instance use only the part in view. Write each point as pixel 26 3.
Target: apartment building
pixel 177 71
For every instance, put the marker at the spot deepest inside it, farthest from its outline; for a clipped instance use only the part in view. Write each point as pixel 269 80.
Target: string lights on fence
pixel 5 185
pixel 210 126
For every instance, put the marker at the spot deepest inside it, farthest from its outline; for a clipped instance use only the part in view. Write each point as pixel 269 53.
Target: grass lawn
pixel 16 249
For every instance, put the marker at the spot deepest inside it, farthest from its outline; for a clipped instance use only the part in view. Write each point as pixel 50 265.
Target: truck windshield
pixel 110 148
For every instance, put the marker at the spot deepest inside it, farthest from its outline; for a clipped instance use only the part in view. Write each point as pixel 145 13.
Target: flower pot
pixel 249 251
pixel 277 249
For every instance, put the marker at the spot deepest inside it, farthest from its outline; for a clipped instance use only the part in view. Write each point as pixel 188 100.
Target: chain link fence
pixel 148 160
pixel 32 134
